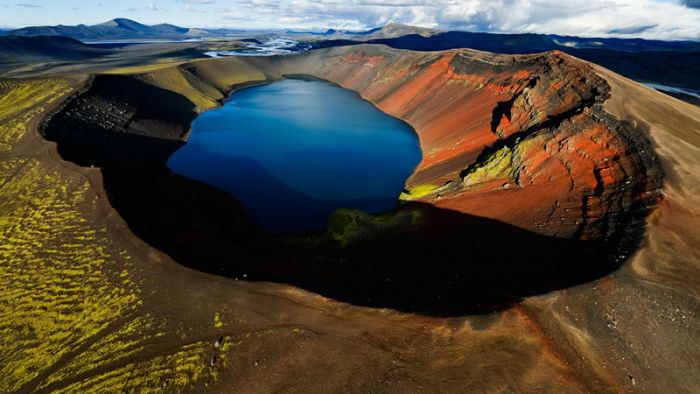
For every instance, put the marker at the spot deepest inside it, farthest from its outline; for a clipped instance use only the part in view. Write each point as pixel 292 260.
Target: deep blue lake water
pixel 293 151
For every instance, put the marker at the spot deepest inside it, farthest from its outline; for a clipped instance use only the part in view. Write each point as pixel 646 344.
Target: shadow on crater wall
pixel 428 260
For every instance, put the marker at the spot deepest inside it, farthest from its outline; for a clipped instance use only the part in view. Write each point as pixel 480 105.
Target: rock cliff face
pixel 520 139
pixel 516 149
pixel 527 140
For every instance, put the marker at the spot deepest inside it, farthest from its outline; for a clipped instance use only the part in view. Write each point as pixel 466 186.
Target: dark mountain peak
pixel 124 23
pixel 393 25
pixel 397 29
pixel 403 27
pixel 51 47
pixel 109 23
pixel 115 29
pixel 166 28
pixel 167 25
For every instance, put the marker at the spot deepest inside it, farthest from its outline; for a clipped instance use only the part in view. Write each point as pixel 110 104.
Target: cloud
pixel 631 30
pixel 190 5
pixel 662 19
pixel 188 8
pixel 148 7
pixel 28 5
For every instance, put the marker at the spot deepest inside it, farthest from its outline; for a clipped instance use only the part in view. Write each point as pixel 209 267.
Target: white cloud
pixel 148 7
pixel 188 7
pixel 662 19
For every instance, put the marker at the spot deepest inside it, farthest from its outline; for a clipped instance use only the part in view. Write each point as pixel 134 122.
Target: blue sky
pixel 662 19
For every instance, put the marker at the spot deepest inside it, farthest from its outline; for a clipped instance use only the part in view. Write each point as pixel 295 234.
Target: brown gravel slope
pixel 91 307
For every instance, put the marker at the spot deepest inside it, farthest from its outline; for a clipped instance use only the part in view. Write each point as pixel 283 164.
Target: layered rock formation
pixel 520 139
pixel 526 128
pixel 515 146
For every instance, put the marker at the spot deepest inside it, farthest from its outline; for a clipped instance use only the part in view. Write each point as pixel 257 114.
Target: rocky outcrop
pixel 513 146
pixel 519 139
pixel 166 324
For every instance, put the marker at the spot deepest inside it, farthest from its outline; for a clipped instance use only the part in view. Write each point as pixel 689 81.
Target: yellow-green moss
pixel 174 79
pixel 228 72
pixel 525 147
pixel 218 323
pixel 23 100
pixel 419 191
pixel 71 303
pixel 348 226
pixel 173 372
pixel 497 165
pixel 56 293
pixel 155 65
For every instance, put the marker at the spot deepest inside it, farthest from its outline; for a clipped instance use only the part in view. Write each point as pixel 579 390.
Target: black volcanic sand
pixel 416 259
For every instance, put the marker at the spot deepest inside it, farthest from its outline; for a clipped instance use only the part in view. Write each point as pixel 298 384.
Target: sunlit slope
pixel 520 139
pixel 73 317
pixel 88 307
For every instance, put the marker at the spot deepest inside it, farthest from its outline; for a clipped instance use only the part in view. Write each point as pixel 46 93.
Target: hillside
pixel 117 29
pixel 673 63
pixel 18 48
pixel 554 202
pixel 393 30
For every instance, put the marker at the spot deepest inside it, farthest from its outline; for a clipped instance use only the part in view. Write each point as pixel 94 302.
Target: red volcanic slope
pixel 527 140
pixel 521 139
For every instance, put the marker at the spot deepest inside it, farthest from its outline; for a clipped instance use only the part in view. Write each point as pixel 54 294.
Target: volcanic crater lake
pixel 295 150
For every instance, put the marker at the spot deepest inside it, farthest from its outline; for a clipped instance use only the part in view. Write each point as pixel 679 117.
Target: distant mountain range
pixel 18 48
pixel 121 29
pixel 127 29
pixel 516 43
pixel 672 63
pixel 400 36
pixel 390 30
